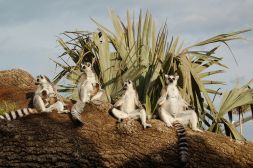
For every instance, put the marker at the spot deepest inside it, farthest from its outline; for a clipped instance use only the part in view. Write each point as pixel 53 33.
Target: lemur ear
pixel 166 76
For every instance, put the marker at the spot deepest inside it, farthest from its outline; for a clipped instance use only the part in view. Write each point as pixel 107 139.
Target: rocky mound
pixel 16 86
pixel 51 140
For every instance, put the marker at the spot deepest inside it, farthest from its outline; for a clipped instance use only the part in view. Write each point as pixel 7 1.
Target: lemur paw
pixel 119 120
pixel 196 129
pixel 169 125
pixel 63 112
pixel 147 126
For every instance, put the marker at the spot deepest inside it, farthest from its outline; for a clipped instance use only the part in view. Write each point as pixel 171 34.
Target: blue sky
pixel 29 28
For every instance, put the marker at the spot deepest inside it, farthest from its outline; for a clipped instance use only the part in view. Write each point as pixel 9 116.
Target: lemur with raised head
pixel 171 111
pixel 44 89
pixel 172 106
pixel 47 92
pixel 87 83
pixel 44 100
pixel 129 106
pixel 171 100
pixel 89 90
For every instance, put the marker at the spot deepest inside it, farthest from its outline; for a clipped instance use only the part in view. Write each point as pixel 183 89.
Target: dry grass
pixel 6 106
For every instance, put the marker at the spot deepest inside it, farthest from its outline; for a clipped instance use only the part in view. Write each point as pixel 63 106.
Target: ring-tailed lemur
pixel 89 90
pixel 127 105
pixel 53 103
pixel 44 100
pixel 86 82
pixel 44 88
pixel 171 111
pixel 48 92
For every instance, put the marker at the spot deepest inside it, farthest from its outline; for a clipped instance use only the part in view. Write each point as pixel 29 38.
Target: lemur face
pixel 86 66
pixel 171 79
pixel 40 80
pixel 128 84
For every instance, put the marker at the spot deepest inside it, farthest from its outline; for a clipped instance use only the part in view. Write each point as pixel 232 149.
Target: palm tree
pixel 134 50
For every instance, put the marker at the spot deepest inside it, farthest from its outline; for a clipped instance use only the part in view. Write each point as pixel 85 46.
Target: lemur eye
pixel 82 66
pixel 173 78
pixel 129 82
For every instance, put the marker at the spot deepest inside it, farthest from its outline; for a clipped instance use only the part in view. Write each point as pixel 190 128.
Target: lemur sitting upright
pixel 44 100
pixel 172 106
pixel 171 111
pixel 86 82
pixel 89 90
pixel 127 105
pixel 43 85
pixel 53 103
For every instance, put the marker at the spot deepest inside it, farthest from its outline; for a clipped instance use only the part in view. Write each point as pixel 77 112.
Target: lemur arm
pixel 118 103
pixel 81 81
pixel 96 89
pixel 162 99
pixel 53 85
pixel 82 77
pixel 137 101
pixel 182 101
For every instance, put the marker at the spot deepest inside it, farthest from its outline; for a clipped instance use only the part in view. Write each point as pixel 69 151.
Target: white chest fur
pixel 91 76
pixel 49 88
pixel 172 91
pixel 129 101
pixel 172 104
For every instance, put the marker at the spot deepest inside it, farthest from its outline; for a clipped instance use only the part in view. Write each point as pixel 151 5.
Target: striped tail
pixel 17 114
pixel 182 143
pixel 76 118
pixel 75 113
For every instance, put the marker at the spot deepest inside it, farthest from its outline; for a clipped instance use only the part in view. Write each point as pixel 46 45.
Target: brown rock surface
pixel 51 140
pixel 16 86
